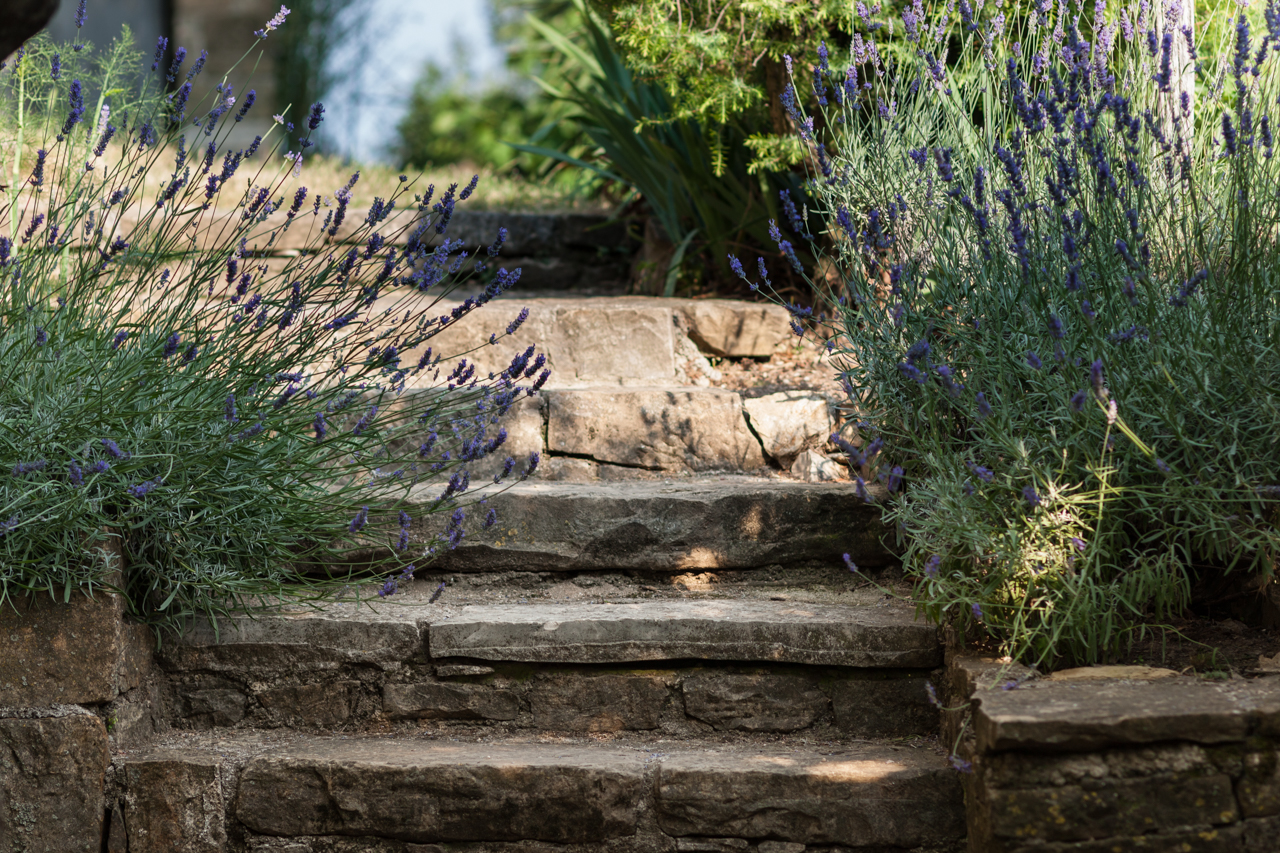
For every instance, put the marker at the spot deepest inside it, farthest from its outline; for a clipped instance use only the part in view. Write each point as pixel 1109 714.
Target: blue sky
pixel 400 36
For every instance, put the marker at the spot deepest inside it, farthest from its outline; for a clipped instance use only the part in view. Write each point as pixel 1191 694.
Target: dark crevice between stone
pixel 768 457
pixel 557 454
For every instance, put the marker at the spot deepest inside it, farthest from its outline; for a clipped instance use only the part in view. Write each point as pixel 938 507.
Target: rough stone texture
pixel 51 778
pixel 601 703
pixel 343 634
pixel 727 327
pixel 669 429
pixel 324 706
pixel 1112 807
pixel 174 802
pixel 429 701
pixel 780 847
pixel 608 341
pixel 884 707
pixel 734 522
pixel 1260 834
pixel 1069 715
pixel 80 652
pixel 1259 788
pixel 217 706
pixel 812 467
pixel 861 797
pixel 705 630
pixel 789 422
pixel 753 703
pixel 414 791
pixel 1218 839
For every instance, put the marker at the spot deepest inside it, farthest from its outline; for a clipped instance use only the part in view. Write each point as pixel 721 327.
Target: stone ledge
pixel 705 630
pixel 1092 715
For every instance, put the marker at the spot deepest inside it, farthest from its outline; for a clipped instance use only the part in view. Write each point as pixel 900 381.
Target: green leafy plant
pixel 1054 299
pixel 697 187
pixel 226 382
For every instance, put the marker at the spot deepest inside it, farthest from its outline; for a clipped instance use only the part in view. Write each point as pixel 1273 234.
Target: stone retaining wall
pixel 1116 764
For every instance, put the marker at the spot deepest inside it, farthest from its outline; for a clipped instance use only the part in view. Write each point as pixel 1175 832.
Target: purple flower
pixel 389 588
pixel 534 458
pixel 76 115
pixel 1029 494
pixel 82 13
pixel 1163 467
pixel 932 693
pixel 230 409
pixel 1034 361
pixel 932 565
pixel 507 467
pixel 861 488
pixel 171 345
pixel 9 526
pixel 490 519
pixel 976 609
pixel 895 478
pixel 317 115
pixel 1078 544
pixel 958 763
pixel 365 420
pixel 319 426
pixel 42 337
pixel 986 475
pixel 28 467
pixel 74 474
pixel 1077 400
pixel 984 408
pixel 1055 327
pixel 102 466
pixel 736 266
pixel 357 523
pixel 1097 379
pixel 145 488
pixel 162 44
pixel 55 66
pixel 113 450
pixel 850 564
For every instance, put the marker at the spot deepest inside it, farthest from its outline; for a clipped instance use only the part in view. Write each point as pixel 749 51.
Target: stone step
pixel 631 795
pixel 680 665
pixel 614 340
pixel 725 522
pixel 617 433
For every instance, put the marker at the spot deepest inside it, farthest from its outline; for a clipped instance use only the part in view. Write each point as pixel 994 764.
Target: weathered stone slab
pixel 79 652
pixel 759 702
pixel 1111 808
pixel 860 797
pixel 174 802
pixel 601 703
pixel 524 424
pixel 586 341
pixel 1218 839
pixel 884 707
pixel 1259 788
pixel 733 328
pixel 52 765
pixel 700 429
pixel 812 467
pixel 433 701
pixel 415 791
pixel 325 706
pixel 343 634
pixel 1092 715
pixel 673 630
pixel 734 522
pixel 789 422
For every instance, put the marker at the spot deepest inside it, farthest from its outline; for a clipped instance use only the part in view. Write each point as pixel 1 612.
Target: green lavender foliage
pixel 1057 319
pixel 222 428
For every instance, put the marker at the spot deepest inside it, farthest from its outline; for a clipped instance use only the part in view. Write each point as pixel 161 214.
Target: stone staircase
pixel 657 648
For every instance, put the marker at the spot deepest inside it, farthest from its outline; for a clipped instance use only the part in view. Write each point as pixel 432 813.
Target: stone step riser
pixel 656 526
pixel 679 666
pixel 677 698
pixel 393 795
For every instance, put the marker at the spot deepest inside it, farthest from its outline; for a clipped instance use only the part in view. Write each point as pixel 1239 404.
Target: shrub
pixel 1056 316
pixel 223 376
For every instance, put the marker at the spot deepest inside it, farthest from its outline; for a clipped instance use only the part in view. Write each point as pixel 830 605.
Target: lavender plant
pixel 1053 299
pixel 229 385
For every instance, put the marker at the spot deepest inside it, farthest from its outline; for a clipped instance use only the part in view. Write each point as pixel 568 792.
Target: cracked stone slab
pixel 700 523
pixel 672 429
pixel 1086 715
pixel 866 796
pixel 704 630
pixel 422 792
